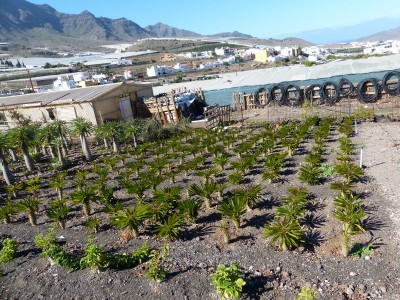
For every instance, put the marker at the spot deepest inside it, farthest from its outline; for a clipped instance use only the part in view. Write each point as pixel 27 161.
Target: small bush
pixel 228 281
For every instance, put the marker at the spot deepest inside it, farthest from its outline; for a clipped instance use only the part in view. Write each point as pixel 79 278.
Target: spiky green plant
pixel 311 174
pixel 84 197
pixel 58 212
pixel 249 194
pixel 80 179
pixel 348 210
pixel 224 227
pixel 346 127
pixel 346 146
pixel 205 191
pixel 82 128
pixel 314 158
pixel 235 177
pixel 170 227
pixel 138 188
pixel 207 174
pixel 58 182
pixel 33 185
pixel 287 231
pixel 349 171
pixel 14 189
pixel 343 186
pixel 7 211
pixel 93 224
pixel 233 208
pixel 132 218
pixel 189 210
pixel 30 205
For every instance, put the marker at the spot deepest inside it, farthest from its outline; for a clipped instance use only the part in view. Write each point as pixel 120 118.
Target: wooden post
pixel 175 109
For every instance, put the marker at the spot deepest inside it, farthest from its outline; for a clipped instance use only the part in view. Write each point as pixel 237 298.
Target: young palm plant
pixel 7 211
pixel 58 212
pixel 30 205
pixel 132 218
pixel 204 191
pixel 233 208
pixel 287 231
pixel 58 182
pixel 170 227
pixel 311 174
pixel 348 210
pixel 189 210
pixel 22 138
pixel 84 197
pixel 4 146
pixel 82 128
pixel 250 194
pixel 222 161
pixel 343 186
pixel 349 171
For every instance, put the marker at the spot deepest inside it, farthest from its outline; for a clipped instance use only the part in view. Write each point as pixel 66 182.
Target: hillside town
pixel 98 68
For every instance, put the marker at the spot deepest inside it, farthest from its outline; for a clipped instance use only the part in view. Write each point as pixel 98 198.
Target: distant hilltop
pixel 31 25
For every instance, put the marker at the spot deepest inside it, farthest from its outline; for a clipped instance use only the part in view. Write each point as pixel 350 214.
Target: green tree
pixel 23 137
pixel 4 146
pixel 82 128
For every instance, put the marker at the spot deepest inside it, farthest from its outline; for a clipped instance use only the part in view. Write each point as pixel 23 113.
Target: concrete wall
pixel 42 115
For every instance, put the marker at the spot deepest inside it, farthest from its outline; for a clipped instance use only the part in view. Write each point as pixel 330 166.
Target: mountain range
pixel 31 25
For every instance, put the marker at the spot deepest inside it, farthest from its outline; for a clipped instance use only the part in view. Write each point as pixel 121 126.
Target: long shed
pixel 98 104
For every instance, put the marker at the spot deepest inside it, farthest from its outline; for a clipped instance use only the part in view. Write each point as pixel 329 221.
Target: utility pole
pixel 30 80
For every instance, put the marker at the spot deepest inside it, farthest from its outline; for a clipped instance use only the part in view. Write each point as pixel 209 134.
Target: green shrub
pixel 156 271
pixel 9 251
pixel 228 281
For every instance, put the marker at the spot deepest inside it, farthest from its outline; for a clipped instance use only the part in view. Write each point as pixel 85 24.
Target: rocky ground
pixel 269 272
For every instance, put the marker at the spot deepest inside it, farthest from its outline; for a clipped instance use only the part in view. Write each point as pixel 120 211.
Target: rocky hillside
pixel 29 25
pixel 392 34
pixel 163 30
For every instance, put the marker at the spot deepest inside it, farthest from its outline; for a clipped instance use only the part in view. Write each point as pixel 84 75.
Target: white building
pixel 63 84
pixel 289 52
pixel 155 71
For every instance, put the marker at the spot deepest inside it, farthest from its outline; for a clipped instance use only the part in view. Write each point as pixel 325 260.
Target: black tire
pixel 278 98
pixel 293 95
pixel 391 90
pixel 310 93
pixel 345 92
pixel 362 93
pixel 261 90
pixel 329 97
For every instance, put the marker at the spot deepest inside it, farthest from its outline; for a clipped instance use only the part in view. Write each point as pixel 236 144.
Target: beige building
pixel 261 56
pixel 118 101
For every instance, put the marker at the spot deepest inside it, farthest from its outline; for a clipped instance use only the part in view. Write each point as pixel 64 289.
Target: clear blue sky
pixel 260 18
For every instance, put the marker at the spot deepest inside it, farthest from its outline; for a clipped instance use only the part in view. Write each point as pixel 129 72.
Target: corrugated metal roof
pixel 74 95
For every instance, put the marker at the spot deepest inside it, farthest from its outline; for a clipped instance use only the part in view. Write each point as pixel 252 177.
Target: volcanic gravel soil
pixel 269 272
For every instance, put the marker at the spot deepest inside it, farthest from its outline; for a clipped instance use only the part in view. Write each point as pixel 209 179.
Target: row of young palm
pixel 53 140
pixel 348 207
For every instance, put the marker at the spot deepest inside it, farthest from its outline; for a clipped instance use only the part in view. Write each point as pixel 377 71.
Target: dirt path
pixel 381 157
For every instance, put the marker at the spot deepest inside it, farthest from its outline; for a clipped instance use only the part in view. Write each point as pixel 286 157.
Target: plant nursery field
pixel 287 203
